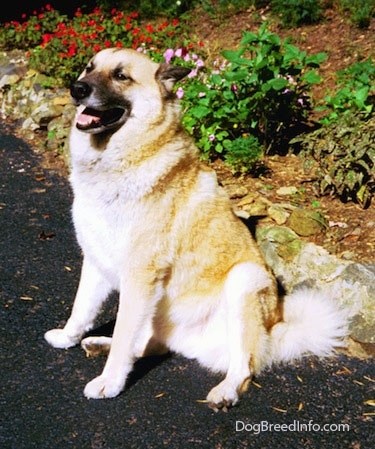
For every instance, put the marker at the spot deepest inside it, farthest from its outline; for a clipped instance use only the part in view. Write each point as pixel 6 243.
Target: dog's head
pixel 112 84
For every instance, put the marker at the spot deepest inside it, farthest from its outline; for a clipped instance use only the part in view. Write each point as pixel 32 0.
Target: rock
pixel 45 112
pixel 286 243
pixel 248 199
pixel 306 223
pixel 254 204
pixel 235 191
pixel 29 124
pixel 298 264
pixel 291 190
pixel 361 277
pixel 278 234
pixel 278 214
pixel 8 80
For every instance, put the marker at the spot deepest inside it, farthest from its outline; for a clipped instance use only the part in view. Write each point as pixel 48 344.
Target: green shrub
pixel 294 13
pixel 361 11
pixel 342 157
pixel 355 92
pixel 261 90
pixel 243 153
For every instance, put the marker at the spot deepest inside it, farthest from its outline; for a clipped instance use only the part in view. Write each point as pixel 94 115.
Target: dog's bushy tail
pixel 312 324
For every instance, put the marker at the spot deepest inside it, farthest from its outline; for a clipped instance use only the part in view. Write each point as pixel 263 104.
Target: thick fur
pixel 154 225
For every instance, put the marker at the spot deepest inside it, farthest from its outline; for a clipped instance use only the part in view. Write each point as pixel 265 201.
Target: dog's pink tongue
pixel 88 117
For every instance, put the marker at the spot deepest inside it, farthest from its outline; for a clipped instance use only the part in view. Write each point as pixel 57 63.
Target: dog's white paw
pixel 103 387
pixel 58 338
pixel 223 396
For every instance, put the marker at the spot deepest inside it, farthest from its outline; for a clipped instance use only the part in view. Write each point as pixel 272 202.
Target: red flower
pixel 72 50
pixel 163 26
pixel 47 37
pixel 97 48
pixel 119 45
pixel 107 44
pixel 149 28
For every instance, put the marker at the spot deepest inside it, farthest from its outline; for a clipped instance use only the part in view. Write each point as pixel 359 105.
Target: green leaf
pixel 316 60
pixel 238 75
pixel 361 96
pixel 248 38
pixel 291 52
pixel 278 83
pixel 200 111
pixel 311 77
pixel 233 56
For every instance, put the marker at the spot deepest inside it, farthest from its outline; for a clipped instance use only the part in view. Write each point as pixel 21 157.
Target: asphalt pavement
pixel 312 404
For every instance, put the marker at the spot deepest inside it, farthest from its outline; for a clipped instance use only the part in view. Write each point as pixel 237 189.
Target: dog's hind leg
pixel 246 333
pixel 92 291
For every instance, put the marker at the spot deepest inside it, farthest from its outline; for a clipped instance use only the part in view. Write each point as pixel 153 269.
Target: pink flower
pixel 168 55
pixel 193 73
pixel 180 93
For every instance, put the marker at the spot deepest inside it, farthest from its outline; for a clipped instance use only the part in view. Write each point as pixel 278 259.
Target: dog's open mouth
pixel 94 121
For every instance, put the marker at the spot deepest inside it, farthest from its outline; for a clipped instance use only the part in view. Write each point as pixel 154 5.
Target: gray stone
pixel 296 263
pixel 45 112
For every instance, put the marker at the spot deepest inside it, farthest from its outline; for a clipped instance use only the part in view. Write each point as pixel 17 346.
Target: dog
pixel 155 225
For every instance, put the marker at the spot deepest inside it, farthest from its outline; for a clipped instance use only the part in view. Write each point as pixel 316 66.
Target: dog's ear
pixel 168 75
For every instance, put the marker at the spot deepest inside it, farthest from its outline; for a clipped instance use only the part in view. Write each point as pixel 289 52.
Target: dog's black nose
pixel 80 90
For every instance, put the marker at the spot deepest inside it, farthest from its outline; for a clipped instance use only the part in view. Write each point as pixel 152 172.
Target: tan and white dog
pixel 155 226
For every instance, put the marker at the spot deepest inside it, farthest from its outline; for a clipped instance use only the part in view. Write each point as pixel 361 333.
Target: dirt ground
pixel 352 230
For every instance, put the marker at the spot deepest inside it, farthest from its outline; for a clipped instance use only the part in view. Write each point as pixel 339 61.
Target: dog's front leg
pixel 93 289
pixel 136 309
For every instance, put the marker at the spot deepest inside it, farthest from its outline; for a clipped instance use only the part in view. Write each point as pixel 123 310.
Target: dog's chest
pixel 104 225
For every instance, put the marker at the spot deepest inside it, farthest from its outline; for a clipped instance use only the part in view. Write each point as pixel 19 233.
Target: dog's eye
pixel 89 68
pixel 121 76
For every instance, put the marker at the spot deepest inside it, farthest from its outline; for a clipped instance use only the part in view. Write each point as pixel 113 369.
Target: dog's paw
pixel 103 387
pixel 222 397
pixel 95 346
pixel 58 338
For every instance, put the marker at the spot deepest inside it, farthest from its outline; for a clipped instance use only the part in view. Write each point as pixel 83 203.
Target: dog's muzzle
pixel 93 120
